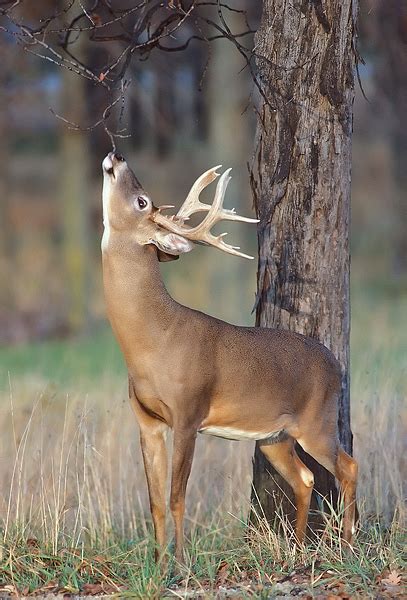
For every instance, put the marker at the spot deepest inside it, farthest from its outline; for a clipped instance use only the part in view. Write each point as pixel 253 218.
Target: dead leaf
pixel 223 573
pixel 92 588
pixel 99 558
pixel 48 587
pixel 9 588
pixel 70 551
pixel 393 579
pixel 102 76
pixel 32 543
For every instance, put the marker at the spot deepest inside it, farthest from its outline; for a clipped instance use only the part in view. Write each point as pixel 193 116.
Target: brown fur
pixel 189 371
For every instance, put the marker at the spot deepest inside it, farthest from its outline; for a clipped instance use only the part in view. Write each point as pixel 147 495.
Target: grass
pixel 63 361
pixel 229 560
pixel 73 505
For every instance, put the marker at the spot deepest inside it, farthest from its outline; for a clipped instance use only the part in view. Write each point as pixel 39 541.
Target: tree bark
pixel 301 186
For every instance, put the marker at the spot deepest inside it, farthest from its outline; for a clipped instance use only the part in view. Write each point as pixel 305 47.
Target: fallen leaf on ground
pixel 392 579
pixel 92 588
pixel 223 573
pixel 10 589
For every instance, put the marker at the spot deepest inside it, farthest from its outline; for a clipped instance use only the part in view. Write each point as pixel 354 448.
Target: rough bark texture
pixel 301 186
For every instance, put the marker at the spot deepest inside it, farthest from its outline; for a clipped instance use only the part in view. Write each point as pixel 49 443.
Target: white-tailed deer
pixel 196 374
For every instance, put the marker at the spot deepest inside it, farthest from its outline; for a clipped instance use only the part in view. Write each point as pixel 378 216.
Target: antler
pixel 192 203
pixel 216 212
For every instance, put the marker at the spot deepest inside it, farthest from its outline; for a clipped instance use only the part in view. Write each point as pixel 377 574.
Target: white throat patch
pixel 106 165
pixel 106 222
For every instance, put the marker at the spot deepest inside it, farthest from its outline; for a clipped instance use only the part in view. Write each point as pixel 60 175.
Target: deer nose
pixel 107 163
pixel 112 159
pixel 115 157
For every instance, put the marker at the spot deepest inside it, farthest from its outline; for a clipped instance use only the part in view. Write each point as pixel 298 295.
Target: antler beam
pixel 202 232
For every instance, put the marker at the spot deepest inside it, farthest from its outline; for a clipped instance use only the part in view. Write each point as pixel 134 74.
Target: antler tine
pixel 216 213
pixel 215 209
pixel 217 242
pixel 192 204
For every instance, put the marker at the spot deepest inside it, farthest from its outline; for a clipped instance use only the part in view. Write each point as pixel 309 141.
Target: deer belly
pixel 232 433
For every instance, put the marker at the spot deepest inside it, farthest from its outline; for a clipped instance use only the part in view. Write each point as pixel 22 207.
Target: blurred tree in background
pixel 74 169
pixel 6 233
pixel 384 35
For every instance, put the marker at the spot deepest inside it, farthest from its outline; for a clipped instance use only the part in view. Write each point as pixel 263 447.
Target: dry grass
pixel 74 465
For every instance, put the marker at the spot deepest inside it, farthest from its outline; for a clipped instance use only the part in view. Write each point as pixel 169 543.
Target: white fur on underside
pixel 231 433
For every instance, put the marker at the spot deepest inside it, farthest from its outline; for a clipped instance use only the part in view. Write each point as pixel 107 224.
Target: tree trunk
pixel 301 185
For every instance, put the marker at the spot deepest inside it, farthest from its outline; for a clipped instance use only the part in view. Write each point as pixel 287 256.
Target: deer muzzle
pixel 110 163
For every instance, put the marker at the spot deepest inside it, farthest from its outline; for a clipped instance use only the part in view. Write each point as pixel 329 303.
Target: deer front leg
pixel 152 440
pixel 183 453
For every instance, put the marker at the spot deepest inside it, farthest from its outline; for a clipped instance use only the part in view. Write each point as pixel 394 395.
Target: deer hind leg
pixel 346 472
pixel 283 457
pixel 345 468
pixel 183 453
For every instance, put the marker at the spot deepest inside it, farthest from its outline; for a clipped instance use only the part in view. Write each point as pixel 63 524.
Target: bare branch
pixel 136 31
pixel 103 121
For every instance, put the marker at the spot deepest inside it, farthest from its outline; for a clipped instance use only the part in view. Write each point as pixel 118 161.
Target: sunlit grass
pixel 228 555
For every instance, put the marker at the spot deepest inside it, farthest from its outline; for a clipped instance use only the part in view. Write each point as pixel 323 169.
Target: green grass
pixel 253 563
pixel 84 358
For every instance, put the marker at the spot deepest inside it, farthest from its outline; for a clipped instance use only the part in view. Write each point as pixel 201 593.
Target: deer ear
pixel 170 243
pixel 165 257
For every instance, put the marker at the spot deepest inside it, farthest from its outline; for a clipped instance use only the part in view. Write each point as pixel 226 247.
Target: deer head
pixel 127 207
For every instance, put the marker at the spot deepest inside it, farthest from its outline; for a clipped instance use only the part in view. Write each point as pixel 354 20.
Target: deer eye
pixel 142 202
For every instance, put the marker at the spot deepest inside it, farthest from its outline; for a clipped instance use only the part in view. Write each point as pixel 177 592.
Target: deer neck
pixel 139 307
